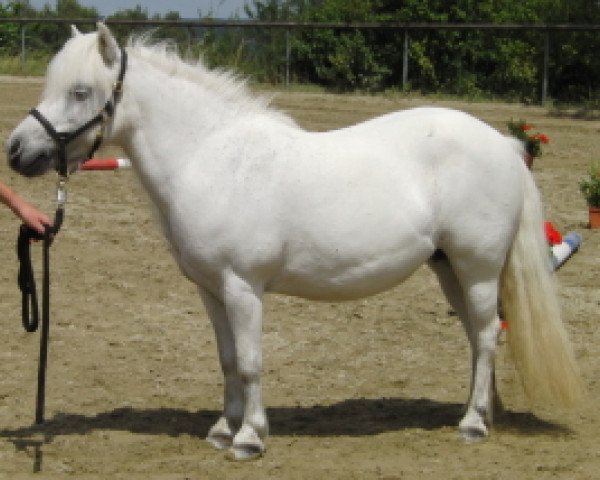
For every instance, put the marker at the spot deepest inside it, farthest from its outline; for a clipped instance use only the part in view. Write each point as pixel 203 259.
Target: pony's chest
pixel 196 262
pixel 205 243
pixel 188 246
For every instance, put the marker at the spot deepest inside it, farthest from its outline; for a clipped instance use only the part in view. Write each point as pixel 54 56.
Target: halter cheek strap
pixel 62 139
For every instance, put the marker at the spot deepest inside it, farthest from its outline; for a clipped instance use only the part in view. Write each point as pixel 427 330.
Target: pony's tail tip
pixel 568 395
pixel 577 397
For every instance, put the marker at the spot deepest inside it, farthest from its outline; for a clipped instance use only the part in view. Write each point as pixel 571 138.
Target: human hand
pixel 32 217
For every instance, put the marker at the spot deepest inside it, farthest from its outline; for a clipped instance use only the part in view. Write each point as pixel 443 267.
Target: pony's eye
pixel 81 94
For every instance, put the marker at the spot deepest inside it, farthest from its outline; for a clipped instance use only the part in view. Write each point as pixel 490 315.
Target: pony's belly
pixel 348 283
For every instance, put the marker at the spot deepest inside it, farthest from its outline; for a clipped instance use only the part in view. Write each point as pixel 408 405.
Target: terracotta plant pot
pixel 594 217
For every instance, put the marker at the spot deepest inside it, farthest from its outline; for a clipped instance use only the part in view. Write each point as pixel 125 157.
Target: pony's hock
pixel 252 203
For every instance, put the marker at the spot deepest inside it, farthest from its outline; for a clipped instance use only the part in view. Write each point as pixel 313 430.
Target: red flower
pixel 531 140
pixel 541 137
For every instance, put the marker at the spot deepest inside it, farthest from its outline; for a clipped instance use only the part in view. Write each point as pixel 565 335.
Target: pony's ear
pixel 74 31
pixel 107 45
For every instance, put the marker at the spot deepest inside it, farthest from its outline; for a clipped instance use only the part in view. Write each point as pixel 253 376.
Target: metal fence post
pixel 546 66
pixel 23 54
pixel 405 61
pixel 288 54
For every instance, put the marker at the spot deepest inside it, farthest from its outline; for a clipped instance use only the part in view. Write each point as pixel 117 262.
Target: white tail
pixel 537 337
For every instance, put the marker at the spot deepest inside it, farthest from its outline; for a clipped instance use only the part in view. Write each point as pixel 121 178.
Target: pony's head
pixel 78 104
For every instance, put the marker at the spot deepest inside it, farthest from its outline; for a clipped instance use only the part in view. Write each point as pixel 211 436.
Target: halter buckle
pixel 61 192
pixel 118 89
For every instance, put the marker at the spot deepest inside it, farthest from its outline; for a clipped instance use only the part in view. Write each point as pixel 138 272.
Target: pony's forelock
pixel 67 69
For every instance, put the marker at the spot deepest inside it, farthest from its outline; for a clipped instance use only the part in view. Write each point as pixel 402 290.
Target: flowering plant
pixel 590 186
pixel 531 141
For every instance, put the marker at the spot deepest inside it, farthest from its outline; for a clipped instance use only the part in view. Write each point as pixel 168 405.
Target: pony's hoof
pixel 245 452
pixel 473 434
pixel 472 427
pixel 247 445
pixel 220 435
pixel 220 441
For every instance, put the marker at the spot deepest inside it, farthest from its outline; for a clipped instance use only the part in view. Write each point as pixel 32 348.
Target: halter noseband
pixel 62 139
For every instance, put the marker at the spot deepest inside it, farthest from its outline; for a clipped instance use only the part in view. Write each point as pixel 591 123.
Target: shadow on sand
pixel 355 417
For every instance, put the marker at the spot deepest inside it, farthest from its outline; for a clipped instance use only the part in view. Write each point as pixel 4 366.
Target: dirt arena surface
pixel 363 390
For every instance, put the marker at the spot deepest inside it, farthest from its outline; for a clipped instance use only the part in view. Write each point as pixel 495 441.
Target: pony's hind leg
pixel 481 300
pixel 475 302
pixel 449 283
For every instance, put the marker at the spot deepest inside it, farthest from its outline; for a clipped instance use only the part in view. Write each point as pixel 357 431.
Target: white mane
pixel 226 84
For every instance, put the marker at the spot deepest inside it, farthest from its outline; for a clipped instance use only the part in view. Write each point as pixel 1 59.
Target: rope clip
pixel 61 191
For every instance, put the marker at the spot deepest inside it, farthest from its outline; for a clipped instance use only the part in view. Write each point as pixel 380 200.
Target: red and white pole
pixel 105 164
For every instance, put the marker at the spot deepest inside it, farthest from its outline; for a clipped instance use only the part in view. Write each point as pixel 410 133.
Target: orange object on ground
pixel 552 234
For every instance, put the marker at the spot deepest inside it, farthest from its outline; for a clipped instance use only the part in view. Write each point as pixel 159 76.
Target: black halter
pixel 62 139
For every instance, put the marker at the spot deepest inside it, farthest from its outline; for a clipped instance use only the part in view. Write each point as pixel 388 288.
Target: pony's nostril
pixel 15 146
pixel 14 154
pixel 14 160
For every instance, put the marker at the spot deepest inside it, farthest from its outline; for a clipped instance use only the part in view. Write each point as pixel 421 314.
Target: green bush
pixel 590 186
pixel 469 63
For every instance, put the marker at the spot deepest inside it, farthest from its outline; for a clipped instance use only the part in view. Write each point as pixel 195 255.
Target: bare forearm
pixel 29 214
pixel 9 197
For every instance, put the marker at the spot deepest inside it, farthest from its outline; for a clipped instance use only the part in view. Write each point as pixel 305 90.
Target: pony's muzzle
pixel 32 166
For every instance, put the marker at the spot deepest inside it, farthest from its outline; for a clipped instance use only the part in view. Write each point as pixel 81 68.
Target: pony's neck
pixel 167 118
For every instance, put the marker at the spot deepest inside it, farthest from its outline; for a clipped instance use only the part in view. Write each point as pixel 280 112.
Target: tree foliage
pixel 463 62
pixel 466 62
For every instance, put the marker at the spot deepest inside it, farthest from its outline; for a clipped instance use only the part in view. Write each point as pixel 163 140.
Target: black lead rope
pixel 29 307
pixel 26 279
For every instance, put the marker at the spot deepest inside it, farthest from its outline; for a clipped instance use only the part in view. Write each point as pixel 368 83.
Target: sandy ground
pixel 368 390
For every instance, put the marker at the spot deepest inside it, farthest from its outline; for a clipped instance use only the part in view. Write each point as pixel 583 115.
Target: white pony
pixel 251 203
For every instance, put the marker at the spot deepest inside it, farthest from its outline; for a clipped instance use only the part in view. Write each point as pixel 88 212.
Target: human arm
pixel 29 214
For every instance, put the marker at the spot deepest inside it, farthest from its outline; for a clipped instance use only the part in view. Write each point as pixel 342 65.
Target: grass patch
pixel 34 65
pixel 589 110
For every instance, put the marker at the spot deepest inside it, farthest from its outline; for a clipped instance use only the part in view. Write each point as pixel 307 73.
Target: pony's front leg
pixel 243 304
pixel 238 326
pixel 222 433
